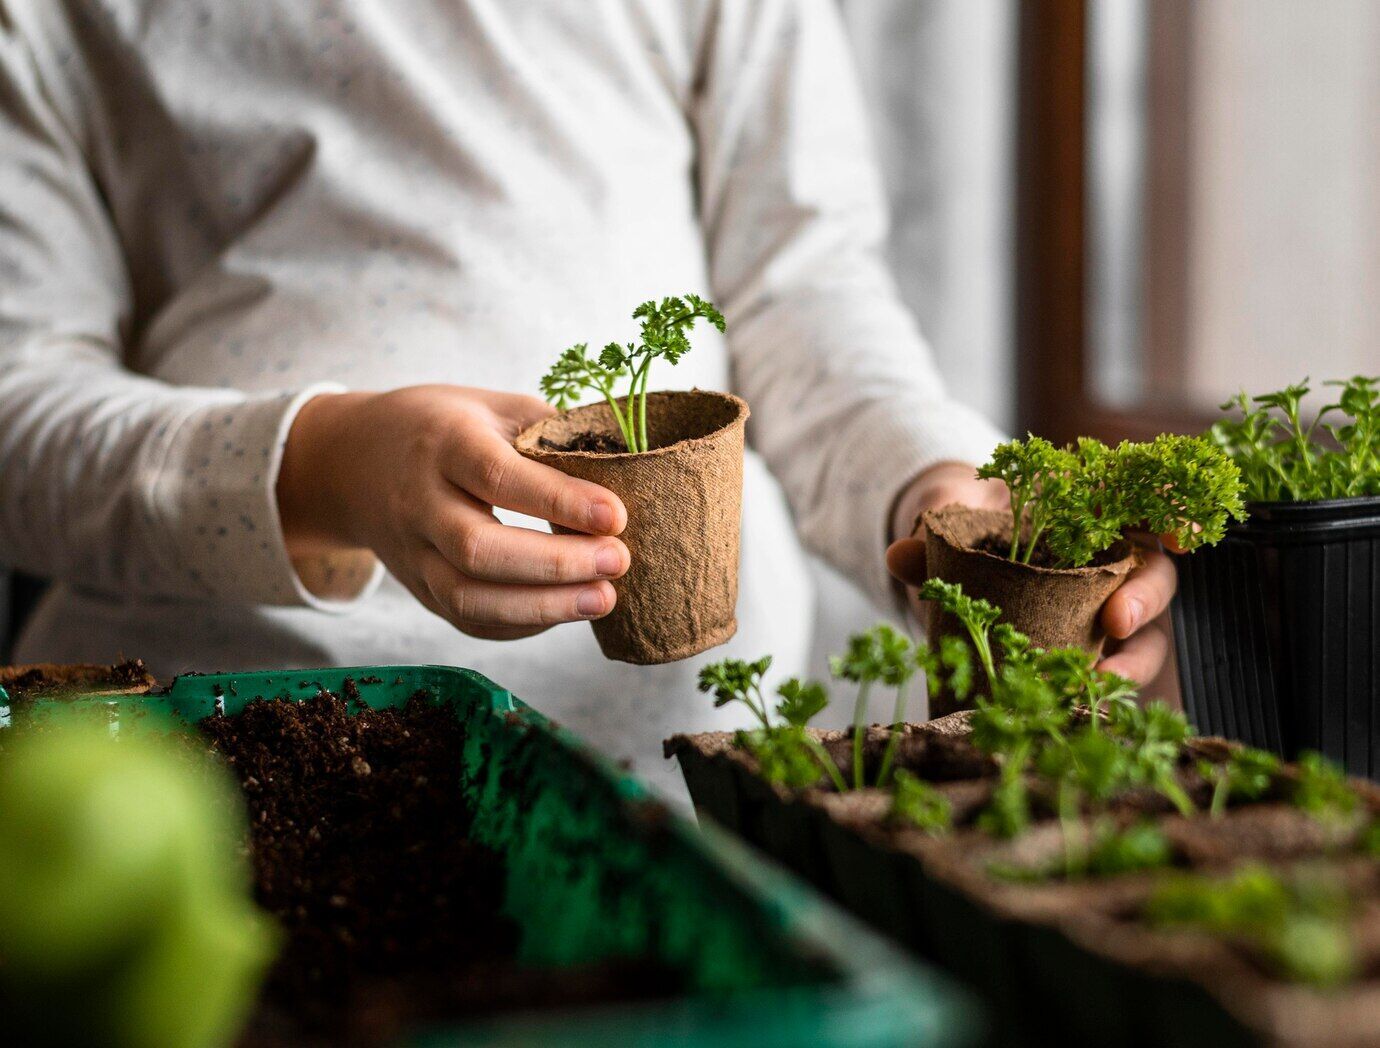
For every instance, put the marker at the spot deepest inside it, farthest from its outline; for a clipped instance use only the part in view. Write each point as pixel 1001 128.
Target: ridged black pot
pixel 1277 631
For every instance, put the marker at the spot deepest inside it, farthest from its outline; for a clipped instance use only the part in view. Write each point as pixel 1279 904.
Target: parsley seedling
pixel 665 335
pixel 1322 791
pixel 1110 853
pixel 916 803
pixel 1139 847
pixel 786 752
pixel 977 616
pixel 1155 735
pixel 800 702
pixel 736 680
pixel 1091 766
pixel 1038 476
pixel 1283 460
pixel 1247 773
pixel 1008 812
pixel 1080 500
pixel 1300 927
pixel 881 654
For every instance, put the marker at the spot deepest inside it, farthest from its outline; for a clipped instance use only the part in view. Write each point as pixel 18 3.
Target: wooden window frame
pixel 1053 360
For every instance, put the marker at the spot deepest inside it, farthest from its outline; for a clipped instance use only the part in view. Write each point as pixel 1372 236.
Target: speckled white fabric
pixel 212 211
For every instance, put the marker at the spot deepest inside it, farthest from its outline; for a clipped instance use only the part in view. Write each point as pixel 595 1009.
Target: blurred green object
pixel 598 868
pixel 125 910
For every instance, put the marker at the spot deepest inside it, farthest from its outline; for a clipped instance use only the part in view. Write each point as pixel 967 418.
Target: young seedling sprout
pixel 1072 673
pixel 800 702
pixel 736 680
pixel 1080 500
pixel 1051 722
pixel 977 616
pixel 916 803
pixel 1301 927
pixel 1155 735
pixel 1322 791
pixel 665 335
pixel 1282 459
pixel 1090 768
pixel 881 654
pixel 1246 773
pixel 787 753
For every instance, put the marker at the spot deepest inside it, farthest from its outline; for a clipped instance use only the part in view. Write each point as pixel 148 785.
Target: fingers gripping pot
pixel 684 500
pixel 1055 607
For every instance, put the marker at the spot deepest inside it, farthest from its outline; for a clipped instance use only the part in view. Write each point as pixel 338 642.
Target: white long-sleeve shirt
pixel 209 212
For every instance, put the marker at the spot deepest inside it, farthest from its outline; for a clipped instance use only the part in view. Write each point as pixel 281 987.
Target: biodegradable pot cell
pixel 1277 630
pixel 1055 607
pixel 684 500
pixel 1063 962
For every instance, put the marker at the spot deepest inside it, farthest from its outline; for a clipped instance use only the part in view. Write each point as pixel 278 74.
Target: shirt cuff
pixel 212 499
pixel 894 447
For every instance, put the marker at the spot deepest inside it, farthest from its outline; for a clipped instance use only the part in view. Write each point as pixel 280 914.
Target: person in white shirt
pixel 277 282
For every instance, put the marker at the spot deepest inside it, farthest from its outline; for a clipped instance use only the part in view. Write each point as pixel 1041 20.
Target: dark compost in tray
pixel 392 917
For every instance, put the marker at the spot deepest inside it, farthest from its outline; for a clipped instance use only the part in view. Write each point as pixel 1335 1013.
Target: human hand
pixel 941 485
pixel 413 476
pixel 1133 615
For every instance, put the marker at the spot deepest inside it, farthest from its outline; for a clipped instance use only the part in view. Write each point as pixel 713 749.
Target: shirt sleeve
pixel 848 406
pixel 111 480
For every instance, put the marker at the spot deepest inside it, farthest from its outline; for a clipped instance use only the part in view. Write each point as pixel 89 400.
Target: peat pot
pixel 1054 607
pixel 684 500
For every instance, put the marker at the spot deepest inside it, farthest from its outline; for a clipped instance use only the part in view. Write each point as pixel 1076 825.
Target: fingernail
pixel 590 603
pixel 600 518
pixel 1135 611
pixel 608 562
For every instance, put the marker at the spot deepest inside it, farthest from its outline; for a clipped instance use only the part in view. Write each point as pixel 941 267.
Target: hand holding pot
pixel 413 476
pixel 1129 614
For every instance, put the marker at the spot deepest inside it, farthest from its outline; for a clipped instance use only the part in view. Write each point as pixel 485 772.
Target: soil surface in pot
pixel 998 544
pixel 599 443
pixel 391 915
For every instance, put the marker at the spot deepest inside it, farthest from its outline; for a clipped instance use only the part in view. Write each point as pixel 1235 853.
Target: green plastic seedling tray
pixel 597 868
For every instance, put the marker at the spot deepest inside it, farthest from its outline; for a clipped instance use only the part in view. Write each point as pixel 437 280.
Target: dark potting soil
pixel 391 915
pixel 599 443
pixel 1041 557
pixel 47 678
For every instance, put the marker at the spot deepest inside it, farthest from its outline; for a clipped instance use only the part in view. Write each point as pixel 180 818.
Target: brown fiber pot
pixel 1055 607
pixel 684 500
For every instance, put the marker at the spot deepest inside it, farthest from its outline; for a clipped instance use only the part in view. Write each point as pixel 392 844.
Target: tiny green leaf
pixel 919 804
pixel 801 701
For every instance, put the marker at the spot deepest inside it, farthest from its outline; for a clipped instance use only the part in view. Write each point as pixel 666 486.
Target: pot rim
pixel 526 441
pixel 1120 566
pixel 1280 509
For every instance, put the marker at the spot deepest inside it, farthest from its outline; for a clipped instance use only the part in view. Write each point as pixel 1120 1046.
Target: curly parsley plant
pixel 665 336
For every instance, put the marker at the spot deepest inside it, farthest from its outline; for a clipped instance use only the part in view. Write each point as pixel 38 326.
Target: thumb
pixel 905 559
pixel 518 411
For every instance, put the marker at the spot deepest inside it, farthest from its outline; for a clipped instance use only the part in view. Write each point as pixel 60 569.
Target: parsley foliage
pixel 665 335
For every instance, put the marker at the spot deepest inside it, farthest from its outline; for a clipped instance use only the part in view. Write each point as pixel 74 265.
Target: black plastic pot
pixel 1277 631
